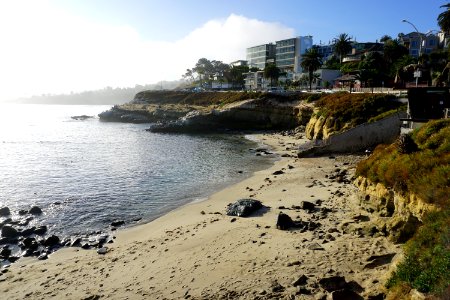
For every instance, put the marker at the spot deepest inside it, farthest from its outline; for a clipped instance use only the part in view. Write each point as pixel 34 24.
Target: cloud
pixel 46 50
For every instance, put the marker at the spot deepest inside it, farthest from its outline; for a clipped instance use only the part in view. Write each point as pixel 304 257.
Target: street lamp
pixel 417 73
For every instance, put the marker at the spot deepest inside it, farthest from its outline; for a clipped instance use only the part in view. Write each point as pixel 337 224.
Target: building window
pixel 414 44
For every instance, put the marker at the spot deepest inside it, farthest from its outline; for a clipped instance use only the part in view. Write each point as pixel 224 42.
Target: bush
pixel 350 110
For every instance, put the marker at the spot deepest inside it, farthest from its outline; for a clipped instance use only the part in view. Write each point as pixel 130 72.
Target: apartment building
pixel 289 53
pixel 260 56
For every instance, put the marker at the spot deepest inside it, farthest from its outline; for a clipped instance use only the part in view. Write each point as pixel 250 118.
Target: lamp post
pixel 417 73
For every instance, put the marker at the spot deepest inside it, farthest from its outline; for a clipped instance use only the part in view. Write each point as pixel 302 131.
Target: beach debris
pixel 4 211
pixel 333 283
pixel 35 210
pixel 243 207
pixel 279 172
pixel 301 280
pixel 9 232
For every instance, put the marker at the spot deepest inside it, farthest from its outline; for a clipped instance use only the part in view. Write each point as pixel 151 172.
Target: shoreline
pixel 195 251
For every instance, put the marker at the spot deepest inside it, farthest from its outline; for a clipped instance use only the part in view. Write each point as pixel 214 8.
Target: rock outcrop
pixel 256 114
pixel 398 216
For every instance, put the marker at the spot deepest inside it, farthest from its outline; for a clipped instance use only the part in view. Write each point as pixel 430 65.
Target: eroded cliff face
pixel 319 127
pixel 395 215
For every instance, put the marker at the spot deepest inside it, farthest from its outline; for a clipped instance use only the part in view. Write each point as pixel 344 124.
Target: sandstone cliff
pixel 393 214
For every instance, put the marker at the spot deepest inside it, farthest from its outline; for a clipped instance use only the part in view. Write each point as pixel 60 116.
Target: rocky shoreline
pixel 302 242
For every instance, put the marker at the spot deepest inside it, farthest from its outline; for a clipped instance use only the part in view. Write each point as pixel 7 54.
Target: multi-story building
pixel 260 56
pixel 289 53
pixel 326 51
pixel 419 42
pixel 239 63
pixel 360 49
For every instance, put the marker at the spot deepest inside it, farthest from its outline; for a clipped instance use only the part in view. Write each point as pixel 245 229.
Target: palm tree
pixel 342 45
pixel 311 61
pixel 444 18
pixel 271 71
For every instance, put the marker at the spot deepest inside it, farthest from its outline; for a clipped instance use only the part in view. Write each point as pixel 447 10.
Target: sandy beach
pixel 198 252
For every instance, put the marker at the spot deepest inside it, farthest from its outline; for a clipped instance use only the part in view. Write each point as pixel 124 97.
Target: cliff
pixel 178 111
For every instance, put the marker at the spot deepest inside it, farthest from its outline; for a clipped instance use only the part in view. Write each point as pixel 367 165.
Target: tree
pixel 204 68
pixel 272 72
pixel 342 45
pixel 385 38
pixel 444 18
pixel 311 61
pixel 236 75
pixel 371 68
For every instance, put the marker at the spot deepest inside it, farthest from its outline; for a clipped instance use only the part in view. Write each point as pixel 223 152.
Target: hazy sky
pixel 58 46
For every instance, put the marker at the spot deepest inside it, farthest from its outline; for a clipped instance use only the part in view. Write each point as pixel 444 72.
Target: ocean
pixel 84 174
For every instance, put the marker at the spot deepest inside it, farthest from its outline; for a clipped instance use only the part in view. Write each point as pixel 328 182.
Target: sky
pixel 63 46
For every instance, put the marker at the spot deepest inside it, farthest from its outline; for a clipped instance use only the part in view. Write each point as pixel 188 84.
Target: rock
pixel 6 221
pixel 35 210
pixel 4 211
pixel 243 207
pixel 345 294
pixel 9 232
pixel 277 288
pixel 279 172
pixel 300 281
pixel 402 230
pixel 308 205
pixel 379 260
pixel 117 223
pixel 40 230
pixel 30 243
pixel 43 256
pixel 333 283
pixel 102 250
pixel 85 246
pixel 315 246
pixel 81 118
pixel 51 241
pixel 13 259
pixel 6 252
pixel 22 212
pixel 293 263
pixel 284 222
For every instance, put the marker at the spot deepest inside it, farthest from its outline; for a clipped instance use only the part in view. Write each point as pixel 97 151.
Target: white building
pixel 288 54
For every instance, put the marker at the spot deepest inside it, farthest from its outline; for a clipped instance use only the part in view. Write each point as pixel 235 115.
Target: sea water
pixel 84 174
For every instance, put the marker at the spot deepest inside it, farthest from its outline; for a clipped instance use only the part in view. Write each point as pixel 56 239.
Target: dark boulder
pixel 4 211
pixel 51 241
pixel 9 232
pixel 243 207
pixel 76 242
pixel 40 230
pixel 279 172
pixel 333 283
pixel 6 252
pixel 284 222
pixel 22 212
pixel 35 210
pixel 308 205
pixel 30 243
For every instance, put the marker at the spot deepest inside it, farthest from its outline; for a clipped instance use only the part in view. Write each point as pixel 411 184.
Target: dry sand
pixel 197 252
